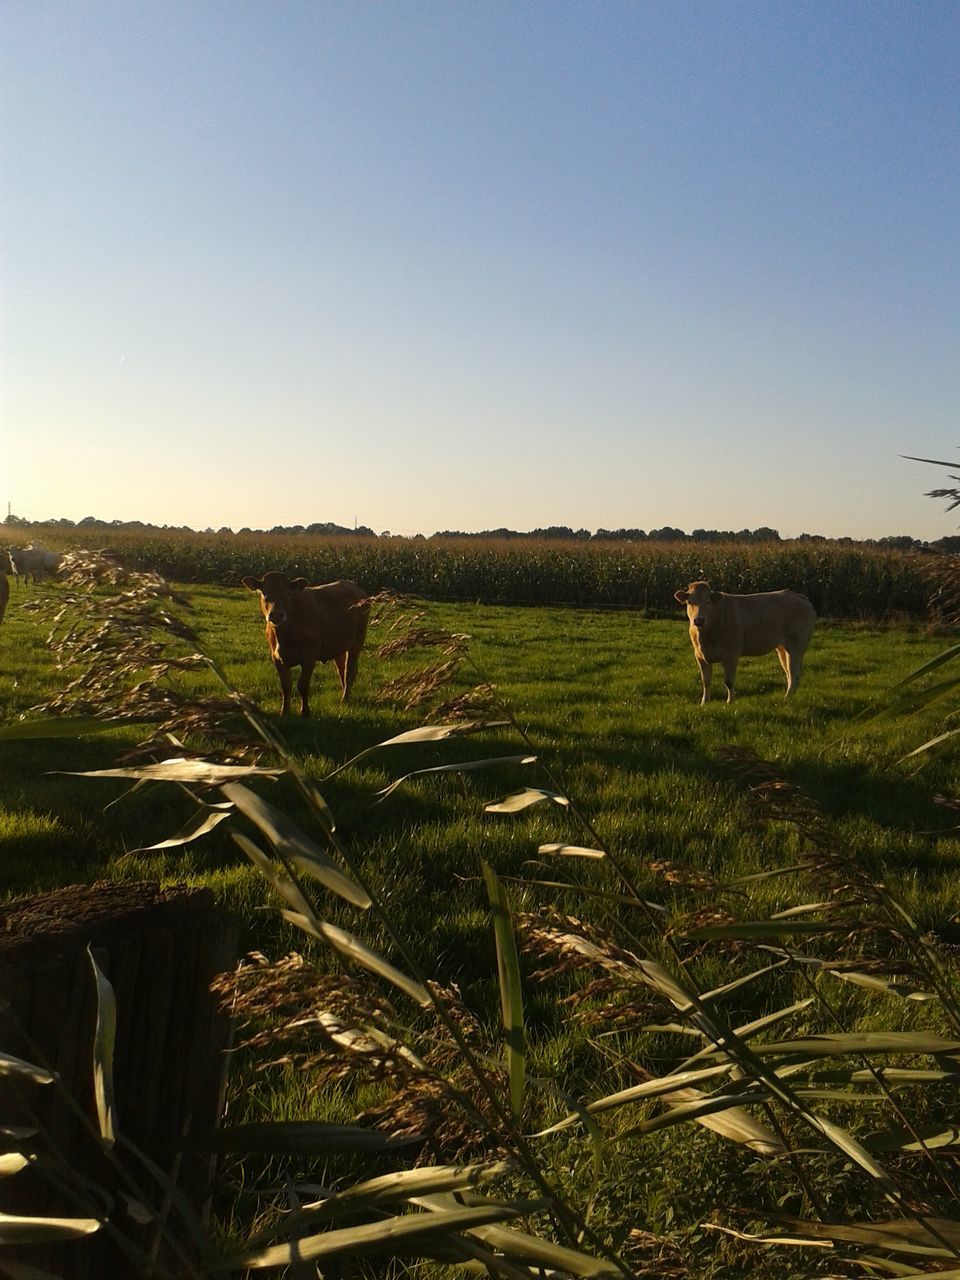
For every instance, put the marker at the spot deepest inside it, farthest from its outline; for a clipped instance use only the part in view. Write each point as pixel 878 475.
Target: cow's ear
pixel 682 596
pixel 252 584
pixel 298 584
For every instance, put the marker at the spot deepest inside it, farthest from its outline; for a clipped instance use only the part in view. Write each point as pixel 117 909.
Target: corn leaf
pixel 410 1182
pixel 390 1235
pixel 462 767
pixel 360 953
pixel 103 1044
pixel 11 1066
pixel 940 660
pixel 296 1138
pixel 870 980
pixel 203 821
pixel 17 1230
pixel 571 851
pixel 426 733
pixel 930 1139
pixel 862 1042
pixel 849 1145
pixel 278 880
pixel 637 1093
pixel 952 1274
pixel 898 1235
pixel 511 991
pixel 533 1250
pixel 60 727
pixel 291 842
pixel 522 799
pixel 912 700
pixel 749 929
pixel 932 744
pixel 721 1112
pixel 198 772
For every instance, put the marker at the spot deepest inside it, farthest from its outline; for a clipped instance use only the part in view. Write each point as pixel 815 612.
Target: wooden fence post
pixel 160 948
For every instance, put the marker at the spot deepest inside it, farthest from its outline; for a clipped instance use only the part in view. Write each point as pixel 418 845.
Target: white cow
pixel 726 627
pixel 33 561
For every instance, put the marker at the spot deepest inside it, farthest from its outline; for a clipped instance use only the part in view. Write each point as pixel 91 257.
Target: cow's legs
pixel 730 676
pixel 340 662
pixel 706 675
pixel 353 662
pixel 285 682
pixel 303 686
pixel 792 664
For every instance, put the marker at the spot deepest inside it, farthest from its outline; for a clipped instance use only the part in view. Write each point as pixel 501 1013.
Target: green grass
pixel 609 702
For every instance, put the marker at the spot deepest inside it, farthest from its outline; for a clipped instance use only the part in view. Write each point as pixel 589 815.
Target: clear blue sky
pixel 462 265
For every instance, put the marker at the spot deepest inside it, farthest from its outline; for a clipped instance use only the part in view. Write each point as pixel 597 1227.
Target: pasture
pixel 607 703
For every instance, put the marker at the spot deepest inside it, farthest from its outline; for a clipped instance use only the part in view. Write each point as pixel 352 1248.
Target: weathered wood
pixel 160 949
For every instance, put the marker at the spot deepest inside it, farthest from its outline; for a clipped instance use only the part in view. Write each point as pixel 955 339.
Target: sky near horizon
pixel 466 265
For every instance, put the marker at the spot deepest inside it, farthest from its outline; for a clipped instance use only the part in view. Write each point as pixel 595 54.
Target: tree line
pixel 560 533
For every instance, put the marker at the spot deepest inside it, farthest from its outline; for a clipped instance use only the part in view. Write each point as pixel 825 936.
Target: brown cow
pixel 724 628
pixel 307 625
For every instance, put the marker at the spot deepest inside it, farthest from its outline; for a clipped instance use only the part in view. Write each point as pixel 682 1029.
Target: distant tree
pixel 898 542
pixel 553 531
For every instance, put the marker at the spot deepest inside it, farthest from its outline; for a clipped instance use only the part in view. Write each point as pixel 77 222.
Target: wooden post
pixel 160 949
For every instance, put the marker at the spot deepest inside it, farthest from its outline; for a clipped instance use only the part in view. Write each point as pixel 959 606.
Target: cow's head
pixel 276 591
pixel 698 598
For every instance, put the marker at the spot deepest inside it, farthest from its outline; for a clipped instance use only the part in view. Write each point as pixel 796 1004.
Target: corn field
pixel 852 581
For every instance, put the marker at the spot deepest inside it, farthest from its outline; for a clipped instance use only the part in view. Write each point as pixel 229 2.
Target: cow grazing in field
pixel 307 625
pixel 725 628
pixel 27 563
pixel 4 594
pixel 33 561
pixel 51 560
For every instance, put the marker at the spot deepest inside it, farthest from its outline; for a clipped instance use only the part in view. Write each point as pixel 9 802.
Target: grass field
pixel 608 704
